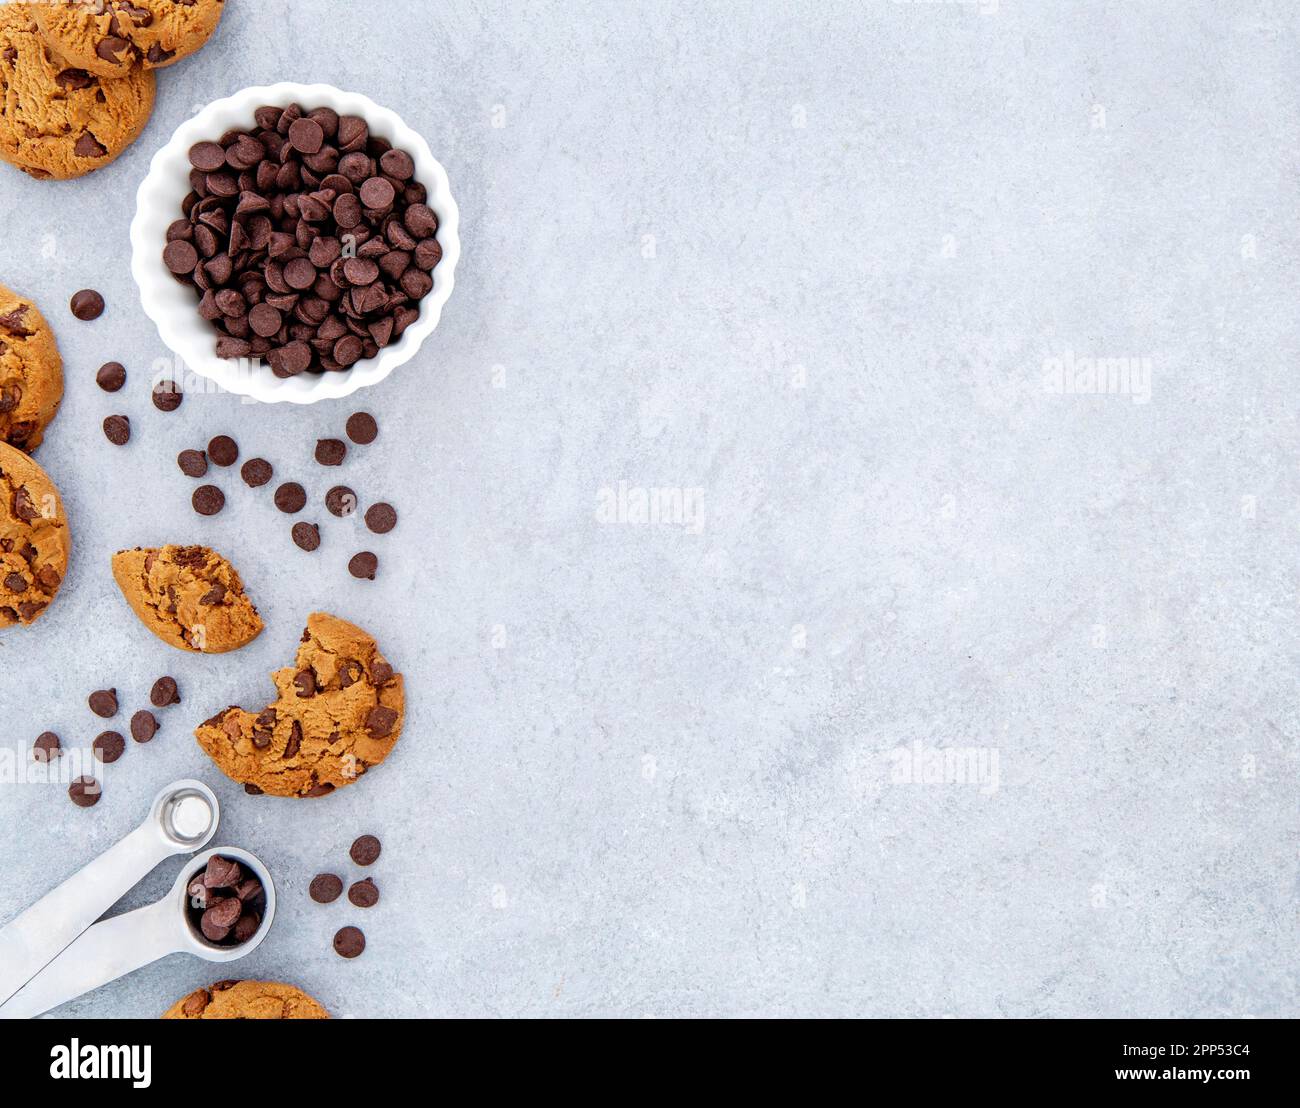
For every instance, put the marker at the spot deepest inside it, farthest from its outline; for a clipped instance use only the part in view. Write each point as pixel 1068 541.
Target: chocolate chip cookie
pixel 189 596
pixel 247 1000
pixel 31 372
pixel 110 37
pixel 34 538
pixel 56 118
pixel 338 713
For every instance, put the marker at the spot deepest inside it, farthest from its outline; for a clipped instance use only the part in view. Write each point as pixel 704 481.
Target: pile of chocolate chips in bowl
pixel 307 238
pixel 225 903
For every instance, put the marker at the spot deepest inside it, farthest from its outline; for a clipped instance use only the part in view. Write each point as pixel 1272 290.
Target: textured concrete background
pixel 810 267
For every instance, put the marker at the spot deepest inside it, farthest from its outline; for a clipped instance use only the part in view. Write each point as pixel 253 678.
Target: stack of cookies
pixel 76 76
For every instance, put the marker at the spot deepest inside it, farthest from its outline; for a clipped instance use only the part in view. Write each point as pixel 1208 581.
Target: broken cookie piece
pixel 34 539
pixel 189 596
pixel 338 713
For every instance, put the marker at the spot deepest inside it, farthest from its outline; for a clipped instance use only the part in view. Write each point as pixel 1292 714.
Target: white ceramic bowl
pixel 174 307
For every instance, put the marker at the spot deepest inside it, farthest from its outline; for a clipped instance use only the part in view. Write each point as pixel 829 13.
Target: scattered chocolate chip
pixel 193 463
pixel 84 792
pixel 290 497
pixel 256 472
pixel 325 887
pixel 306 535
pixel 143 726
pixel 208 500
pixel 111 376
pixel 341 501
pixel 330 452
pixel 117 429
pixel 365 850
pixel 349 942
pixel 363 565
pixel 362 428
pixel 364 894
pixel 103 702
pixel 108 746
pixel 86 304
pixel 223 450
pixel 253 790
pixel 164 692
pixel 381 518
pixel 167 396
pixel 46 747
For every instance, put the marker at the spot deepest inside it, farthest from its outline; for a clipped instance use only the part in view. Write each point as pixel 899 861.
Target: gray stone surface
pixel 815 262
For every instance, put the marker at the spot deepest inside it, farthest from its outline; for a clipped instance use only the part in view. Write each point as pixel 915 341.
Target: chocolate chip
pixel 364 894
pixel 46 747
pixel 212 931
pixel 349 942
pixel 256 472
pixel 294 744
pixel 305 682
pixel 306 535
pixel 117 429
pixel 84 792
pixel 290 497
pixel 164 692
pixel 143 726
pixel 223 450
pixel 103 702
pixel 341 501
pixel 364 565
pixel 330 452
pixel 208 500
pixel 193 463
pixel 246 927
pixel 167 396
pixel 108 746
pixel 111 376
pixel 306 135
pixel 222 873
pixel 380 721
pixel 248 889
pixel 207 157
pixel 376 193
pixel 397 163
pixel 86 304
pixel 15 582
pixel 365 850
pixel 381 518
pixel 324 888
pixel 252 790
pixel 180 256
pixel 362 428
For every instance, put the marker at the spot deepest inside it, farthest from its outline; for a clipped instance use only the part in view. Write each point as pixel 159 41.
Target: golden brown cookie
pixel 247 1000
pixel 338 713
pixel 189 596
pixel 56 119
pixel 109 37
pixel 34 538
pixel 31 372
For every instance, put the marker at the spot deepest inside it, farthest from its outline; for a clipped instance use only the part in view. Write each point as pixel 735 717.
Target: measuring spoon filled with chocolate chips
pixel 220 908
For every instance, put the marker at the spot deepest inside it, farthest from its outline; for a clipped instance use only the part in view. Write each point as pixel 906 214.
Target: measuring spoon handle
pixel 102 954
